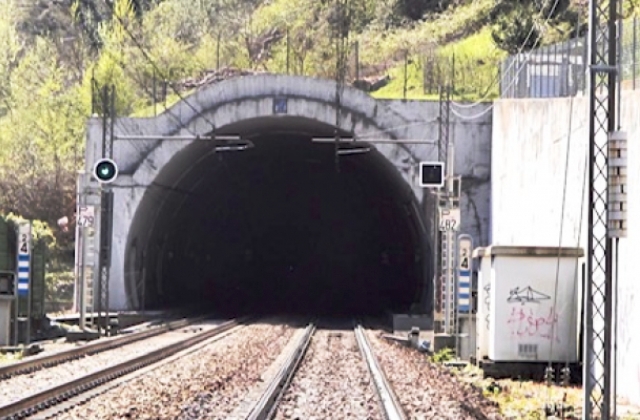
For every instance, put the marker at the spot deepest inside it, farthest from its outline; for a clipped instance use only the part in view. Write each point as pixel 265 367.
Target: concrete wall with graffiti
pixel 539 200
pixel 523 313
pixel 533 317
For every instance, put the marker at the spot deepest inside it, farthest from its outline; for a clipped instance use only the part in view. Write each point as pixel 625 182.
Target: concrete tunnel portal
pixel 273 228
pixel 276 228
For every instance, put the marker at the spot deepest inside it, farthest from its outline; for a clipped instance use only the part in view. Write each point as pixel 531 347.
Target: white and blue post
pixel 463 289
pixel 24 275
pixel 465 247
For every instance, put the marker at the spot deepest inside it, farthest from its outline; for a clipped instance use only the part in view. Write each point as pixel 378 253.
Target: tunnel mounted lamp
pixel 353 150
pixel 232 145
pixel 357 144
pixel 222 143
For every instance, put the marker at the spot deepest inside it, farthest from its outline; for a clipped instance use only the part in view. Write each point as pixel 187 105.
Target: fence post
pixel 218 53
pixel 287 41
pixel 585 60
pixel 357 59
pixel 155 94
pixel 406 65
pixel 634 63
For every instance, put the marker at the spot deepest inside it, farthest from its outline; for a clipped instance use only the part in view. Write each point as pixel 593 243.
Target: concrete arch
pixel 220 107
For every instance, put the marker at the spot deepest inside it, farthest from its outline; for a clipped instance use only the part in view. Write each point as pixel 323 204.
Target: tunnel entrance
pixel 277 229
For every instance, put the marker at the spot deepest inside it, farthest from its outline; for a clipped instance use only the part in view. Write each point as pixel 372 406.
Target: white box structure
pixel 483 308
pixel 529 295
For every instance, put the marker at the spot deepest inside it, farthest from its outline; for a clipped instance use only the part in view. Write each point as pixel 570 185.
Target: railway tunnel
pixel 276 228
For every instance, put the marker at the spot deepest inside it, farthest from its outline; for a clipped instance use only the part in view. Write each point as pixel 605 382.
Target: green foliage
pixel 444 355
pixel 40 231
pixel 516 30
pixel 517 26
pixel 11 48
pixel 59 286
pixel 55 56
pixel 415 10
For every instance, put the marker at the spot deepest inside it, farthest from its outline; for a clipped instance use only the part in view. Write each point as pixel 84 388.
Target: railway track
pixel 341 378
pixel 35 363
pixel 47 398
pixel 272 369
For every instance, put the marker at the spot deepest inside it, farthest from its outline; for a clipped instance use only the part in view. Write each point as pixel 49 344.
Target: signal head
pixel 105 171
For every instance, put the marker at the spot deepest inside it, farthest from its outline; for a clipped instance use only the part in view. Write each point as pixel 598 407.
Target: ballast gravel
pixel 332 382
pixel 426 390
pixel 207 384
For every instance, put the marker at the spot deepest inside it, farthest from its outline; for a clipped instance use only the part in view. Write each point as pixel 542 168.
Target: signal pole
pixel 607 209
pixel 106 213
pixel 341 37
pixel 447 202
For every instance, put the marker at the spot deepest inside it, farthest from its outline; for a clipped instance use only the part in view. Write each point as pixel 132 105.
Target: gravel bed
pixel 427 390
pixel 19 386
pixel 207 384
pixel 332 382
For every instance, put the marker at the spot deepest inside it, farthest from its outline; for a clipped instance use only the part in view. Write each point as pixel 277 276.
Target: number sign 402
pixel 449 220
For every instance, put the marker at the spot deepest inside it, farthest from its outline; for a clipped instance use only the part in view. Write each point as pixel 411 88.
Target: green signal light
pixel 105 170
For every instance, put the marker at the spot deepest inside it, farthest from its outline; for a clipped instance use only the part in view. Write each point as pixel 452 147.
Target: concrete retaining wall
pixel 530 140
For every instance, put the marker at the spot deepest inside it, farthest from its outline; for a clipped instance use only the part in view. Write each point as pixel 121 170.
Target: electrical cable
pixel 474 116
pixel 502 75
pixel 386 130
pixel 146 90
pixel 562 214
pixel 520 49
pixel 154 65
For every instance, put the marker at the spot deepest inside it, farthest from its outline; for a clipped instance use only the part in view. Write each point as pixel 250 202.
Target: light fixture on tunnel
pixel 223 143
pixel 233 145
pixel 352 140
pixel 354 151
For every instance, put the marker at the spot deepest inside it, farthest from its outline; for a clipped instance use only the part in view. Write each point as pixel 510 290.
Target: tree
pixel 41 143
pixel 12 48
pixel 514 28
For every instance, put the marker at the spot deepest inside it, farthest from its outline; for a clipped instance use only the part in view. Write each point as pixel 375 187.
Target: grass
pixel 151 111
pixel 475 60
pixel 10 357
pixel 462 32
pixel 526 400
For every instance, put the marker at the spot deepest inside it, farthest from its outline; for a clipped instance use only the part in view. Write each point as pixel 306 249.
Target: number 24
pixel 23 244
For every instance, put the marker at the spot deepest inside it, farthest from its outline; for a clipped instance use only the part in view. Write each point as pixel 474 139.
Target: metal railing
pixel 559 70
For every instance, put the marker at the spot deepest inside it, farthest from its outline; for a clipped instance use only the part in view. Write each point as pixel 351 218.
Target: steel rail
pixel 265 406
pixel 40 362
pixel 391 407
pixel 59 393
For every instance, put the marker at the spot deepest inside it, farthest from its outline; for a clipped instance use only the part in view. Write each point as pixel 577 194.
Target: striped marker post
pixel 465 246
pixel 24 258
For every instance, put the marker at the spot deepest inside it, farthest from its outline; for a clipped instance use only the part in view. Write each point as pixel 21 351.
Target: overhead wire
pixel 154 65
pixel 519 51
pixel 502 75
pixel 553 314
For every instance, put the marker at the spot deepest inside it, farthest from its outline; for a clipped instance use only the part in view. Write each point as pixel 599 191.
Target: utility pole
pixel 607 209
pixel 341 39
pixel 106 212
pixel 445 302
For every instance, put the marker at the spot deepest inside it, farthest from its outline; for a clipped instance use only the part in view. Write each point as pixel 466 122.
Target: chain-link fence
pixel 559 70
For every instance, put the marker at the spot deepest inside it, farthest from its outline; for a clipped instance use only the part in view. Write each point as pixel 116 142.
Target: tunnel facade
pixel 283 224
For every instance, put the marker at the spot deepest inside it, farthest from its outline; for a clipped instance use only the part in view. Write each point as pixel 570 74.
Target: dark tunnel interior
pixel 277 229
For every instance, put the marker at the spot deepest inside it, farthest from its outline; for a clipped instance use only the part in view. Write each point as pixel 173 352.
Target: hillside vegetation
pixel 55 54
